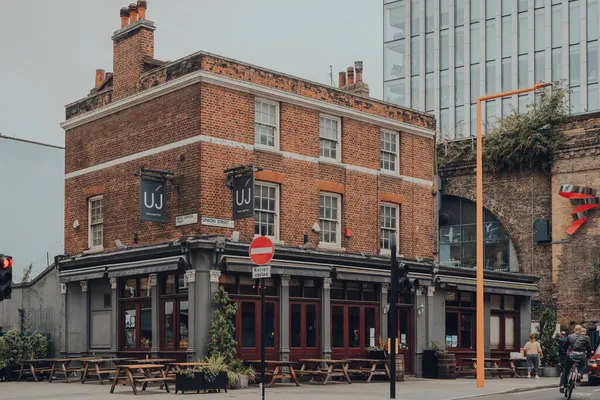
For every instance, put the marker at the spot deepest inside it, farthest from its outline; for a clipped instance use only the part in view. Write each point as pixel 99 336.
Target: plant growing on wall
pixel 16 346
pixel 518 141
pixel 221 333
pixel 547 332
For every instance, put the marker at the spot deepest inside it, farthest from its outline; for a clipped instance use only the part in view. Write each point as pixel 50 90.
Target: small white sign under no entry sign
pixel 264 271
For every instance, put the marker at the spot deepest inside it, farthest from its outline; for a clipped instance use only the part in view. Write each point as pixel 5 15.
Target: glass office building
pixel 440 55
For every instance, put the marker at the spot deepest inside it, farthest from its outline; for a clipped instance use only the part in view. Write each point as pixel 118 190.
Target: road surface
pixel 580 393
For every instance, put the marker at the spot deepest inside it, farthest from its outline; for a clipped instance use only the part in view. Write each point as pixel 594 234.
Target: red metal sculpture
pixel 584 199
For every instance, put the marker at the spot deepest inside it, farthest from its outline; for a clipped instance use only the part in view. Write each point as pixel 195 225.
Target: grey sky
pixel 50 49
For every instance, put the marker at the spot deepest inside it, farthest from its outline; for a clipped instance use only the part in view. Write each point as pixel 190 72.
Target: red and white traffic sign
pixel 261 250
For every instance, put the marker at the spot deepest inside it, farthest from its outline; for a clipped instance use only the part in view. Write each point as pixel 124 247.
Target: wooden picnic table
pixel 516 365
pixel 124 372
pixel 154 361
pixel 65 367
pixel 313 367
pixel 490 364
pixel 95 367
pixel 372 369
pixel 277 372
pixel 36 366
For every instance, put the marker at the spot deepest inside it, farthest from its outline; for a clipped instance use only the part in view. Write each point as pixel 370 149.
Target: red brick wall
pixel 200 186
pixel 129 53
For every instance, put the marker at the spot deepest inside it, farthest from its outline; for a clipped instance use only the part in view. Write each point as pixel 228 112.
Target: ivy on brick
pixel 518 141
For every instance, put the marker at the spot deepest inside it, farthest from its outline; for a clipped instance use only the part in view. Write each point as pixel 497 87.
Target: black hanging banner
pixel 243 196
pixel 153 200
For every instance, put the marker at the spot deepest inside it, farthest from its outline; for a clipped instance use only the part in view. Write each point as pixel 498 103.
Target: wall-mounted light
pixel 420 309
pixel 76 224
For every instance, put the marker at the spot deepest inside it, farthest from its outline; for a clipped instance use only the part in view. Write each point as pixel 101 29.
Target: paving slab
pixel 412 389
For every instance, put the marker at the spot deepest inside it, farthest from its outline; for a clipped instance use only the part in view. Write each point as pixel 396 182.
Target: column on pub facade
pixel 155 301
pixel 64 343
pixel 284 318
pixel 326 324
pixel 86 317
pixel 114 316
pixel 383 311
pixel 190 276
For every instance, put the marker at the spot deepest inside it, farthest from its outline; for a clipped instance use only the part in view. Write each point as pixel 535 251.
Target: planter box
pixel 198 383
pixel 430 367
pixel 376 355
pixel 242 382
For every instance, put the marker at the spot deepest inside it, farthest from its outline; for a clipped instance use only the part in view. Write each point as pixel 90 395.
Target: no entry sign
pixel 261 250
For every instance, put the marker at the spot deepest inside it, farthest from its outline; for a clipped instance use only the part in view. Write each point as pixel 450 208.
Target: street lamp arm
pixel 537 86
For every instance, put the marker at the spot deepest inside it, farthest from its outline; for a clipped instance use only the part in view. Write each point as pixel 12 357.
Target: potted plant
pixel 549 344
pixel 241 375
pixel 377 352
pixel 210 377
pixel 430 359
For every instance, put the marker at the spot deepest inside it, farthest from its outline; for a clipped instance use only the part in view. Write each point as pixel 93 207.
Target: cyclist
pixel 578 348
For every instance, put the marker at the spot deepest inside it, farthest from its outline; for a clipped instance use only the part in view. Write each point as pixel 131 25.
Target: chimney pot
pixel 133 13
pixel 350 76
pixel 124 17
pixel 142 6
pixel 342 79
pixel 100 76
pixel 358 67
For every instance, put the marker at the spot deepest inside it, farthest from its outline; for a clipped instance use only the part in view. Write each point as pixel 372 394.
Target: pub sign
pixel 243 196
pixel 153 200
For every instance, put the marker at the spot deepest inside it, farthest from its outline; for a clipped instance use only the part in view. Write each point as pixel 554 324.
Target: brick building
pixel 564 262
pixel 339 174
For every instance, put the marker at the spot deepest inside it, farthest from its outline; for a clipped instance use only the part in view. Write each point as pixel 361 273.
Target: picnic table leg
pixel 52 370
pixel 21 372
pixel 115 380
pixel 345 368
pixel 329 372
pixel 162 371
pixel 387 370
pixel 131 380
pixel 275 372
pixel 148 375
pixel 85 371
pixel 99 373
pixel 64 368
pixel 32 369
pixel 372 372
pixel 294 375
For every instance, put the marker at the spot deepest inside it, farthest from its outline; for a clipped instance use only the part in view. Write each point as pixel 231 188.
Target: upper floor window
pixel 389 226
pixel 266 209
pixel 95 228
pixel 389 151
pixel 266 123
pixel 330 133
pixel 330 218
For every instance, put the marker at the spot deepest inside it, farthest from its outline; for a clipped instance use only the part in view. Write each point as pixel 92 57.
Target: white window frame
pixel 338 120
pixel 277 120
pixel 396 171
pixel 397 207
pixel 277 200
pixel 338 244
pixel 90 236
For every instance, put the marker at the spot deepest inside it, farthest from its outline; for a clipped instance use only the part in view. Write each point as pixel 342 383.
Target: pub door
pixel 304 330
pixel 405 336
pixel 247 329
pixel 354 328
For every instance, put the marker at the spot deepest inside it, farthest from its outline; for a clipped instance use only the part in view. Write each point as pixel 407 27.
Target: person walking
pixel 533 351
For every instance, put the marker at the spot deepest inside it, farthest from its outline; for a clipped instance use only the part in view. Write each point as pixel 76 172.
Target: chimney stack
pixel 350 76
pixel 124 17
pixel 358 67
pixel 342 79
pixel 100 76
pixel 142 5
pixel 133 14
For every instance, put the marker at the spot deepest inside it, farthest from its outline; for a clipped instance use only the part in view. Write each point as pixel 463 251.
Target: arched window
pixel 457 236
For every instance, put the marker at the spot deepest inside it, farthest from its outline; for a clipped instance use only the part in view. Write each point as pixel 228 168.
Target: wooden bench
pixel 125 372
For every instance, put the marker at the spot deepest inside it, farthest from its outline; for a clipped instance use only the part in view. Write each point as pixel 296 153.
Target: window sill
pixel 276 242
pixel 267 149
pixel 390 174
pixel 330 161
pixel 331 247
pixel 94 250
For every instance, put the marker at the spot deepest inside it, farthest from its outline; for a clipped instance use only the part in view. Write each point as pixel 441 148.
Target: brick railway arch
pixel 505 225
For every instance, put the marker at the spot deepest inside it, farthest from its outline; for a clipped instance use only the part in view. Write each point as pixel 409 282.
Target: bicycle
pixel 574 375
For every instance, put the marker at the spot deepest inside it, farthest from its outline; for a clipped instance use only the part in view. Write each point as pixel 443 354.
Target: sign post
pixel 394 322
pixel 261 252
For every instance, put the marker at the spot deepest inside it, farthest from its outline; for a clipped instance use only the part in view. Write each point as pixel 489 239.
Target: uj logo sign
pixel 153 200
pixel 243 196
pixel 584 200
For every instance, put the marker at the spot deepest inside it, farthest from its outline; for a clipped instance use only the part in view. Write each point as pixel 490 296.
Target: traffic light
pixel 406 285
pixel 6 264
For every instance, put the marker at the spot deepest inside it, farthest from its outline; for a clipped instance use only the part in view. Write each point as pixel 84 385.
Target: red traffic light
pixel 6 262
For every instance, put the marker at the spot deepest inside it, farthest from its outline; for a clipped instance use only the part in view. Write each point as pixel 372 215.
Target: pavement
pixel 412 389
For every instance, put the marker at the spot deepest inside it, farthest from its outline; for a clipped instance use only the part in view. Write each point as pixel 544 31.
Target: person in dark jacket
pixel 562 350
pixel 579 348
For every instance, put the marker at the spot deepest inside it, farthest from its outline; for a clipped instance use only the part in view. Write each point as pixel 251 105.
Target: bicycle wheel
pixel 569 389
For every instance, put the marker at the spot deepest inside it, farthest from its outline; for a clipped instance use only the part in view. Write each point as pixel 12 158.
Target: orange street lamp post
pixel 479 231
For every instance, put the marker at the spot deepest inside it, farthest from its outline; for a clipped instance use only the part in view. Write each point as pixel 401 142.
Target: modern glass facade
pixel 473 47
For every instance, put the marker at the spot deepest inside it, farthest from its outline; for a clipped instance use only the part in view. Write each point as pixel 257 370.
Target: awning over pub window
pixel 298 268
pixel 82 274
pixel 492 286
pixel 144 267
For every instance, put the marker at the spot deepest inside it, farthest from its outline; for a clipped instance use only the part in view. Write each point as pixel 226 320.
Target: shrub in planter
pixel 430 358
pixel 209 377
pixel 240 375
